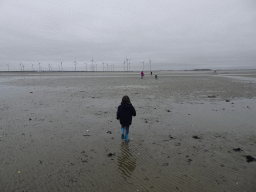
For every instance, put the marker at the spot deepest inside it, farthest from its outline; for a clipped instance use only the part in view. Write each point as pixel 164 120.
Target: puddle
pixel 242 79
pixel 234 116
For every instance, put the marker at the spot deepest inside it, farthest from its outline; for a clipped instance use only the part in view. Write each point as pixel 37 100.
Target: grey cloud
pixel 176 34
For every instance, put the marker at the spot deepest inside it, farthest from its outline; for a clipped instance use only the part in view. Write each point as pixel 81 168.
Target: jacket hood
pixel 126 105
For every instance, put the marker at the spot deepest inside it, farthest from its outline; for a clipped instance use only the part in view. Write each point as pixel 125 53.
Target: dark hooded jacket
pixel 125 112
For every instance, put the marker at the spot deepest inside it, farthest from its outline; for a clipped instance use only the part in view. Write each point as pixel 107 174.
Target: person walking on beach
pixel 142 74
pixel 125 111
pixel 151 73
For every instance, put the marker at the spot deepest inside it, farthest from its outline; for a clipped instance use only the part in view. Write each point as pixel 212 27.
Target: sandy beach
pixel 194 131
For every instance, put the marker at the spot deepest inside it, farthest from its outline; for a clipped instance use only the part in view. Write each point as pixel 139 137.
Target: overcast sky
pixel 175 34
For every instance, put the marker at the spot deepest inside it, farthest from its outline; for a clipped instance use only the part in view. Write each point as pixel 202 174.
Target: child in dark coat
pixel 125 112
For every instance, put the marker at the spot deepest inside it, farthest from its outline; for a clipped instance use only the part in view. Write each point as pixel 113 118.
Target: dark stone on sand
pixel 109 132
pixel 165 164
pixel 212 96
pixel 111 154
pixel 84 161
pixel 23 134
pixel 249 158
pixel 40 162
pixel 189 160
pixel 238 149
pixel 195 137
pixel 86 135
pixel 168 111
pixel 30 119
pixel 227 100
pixel 31 92
pixel 171 137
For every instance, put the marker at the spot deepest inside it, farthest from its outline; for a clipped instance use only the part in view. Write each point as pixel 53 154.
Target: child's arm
pixel 133 111
pixel 117 114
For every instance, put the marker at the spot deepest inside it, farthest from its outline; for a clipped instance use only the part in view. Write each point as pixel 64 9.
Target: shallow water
pixel 236 115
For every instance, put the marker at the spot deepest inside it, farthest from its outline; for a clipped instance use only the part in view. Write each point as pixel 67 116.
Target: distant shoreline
pixel 46 71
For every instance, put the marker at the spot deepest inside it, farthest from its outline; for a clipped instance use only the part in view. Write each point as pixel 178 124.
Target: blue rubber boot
pixel 122 136
pixel 127 138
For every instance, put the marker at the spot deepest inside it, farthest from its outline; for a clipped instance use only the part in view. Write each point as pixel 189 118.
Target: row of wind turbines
pixel 93 66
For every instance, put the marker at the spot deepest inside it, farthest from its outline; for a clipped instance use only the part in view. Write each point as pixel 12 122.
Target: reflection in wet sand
pixel 126 162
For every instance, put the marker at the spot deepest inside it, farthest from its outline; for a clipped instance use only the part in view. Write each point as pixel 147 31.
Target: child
pixel 155 76
pixel 142 74
pixel 125 112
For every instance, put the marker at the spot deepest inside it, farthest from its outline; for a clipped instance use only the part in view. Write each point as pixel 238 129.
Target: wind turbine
pixel 127 60
pixel 39 66
pixel 103 65
pixel 92 66
pixel 20 66
pixel 75 64
pixel 107 66
pixel 61 66
pixel 124 65
pixel 32 67
pixel 143 65
pixel 86 66
pixel 150 63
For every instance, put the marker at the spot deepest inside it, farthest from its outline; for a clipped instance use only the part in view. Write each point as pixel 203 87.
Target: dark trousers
pixel 126 128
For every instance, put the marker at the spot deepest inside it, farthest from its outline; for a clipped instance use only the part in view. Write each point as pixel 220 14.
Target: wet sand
pixel 194 131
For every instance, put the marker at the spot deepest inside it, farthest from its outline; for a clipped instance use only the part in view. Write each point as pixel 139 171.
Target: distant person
pixel 151 73
pixel 142 74
pixel 156 77
pixel 124 113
